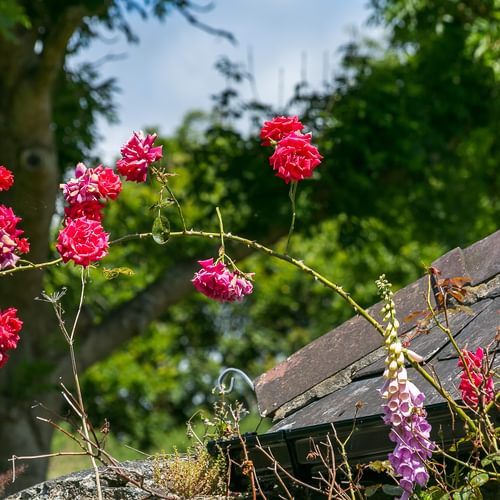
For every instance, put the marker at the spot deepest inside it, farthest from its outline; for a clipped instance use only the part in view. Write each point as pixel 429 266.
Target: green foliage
pixel 11 14
pixel 82 97
pixel 420 22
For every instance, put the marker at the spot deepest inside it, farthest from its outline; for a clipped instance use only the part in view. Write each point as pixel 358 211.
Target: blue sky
pixel 171 70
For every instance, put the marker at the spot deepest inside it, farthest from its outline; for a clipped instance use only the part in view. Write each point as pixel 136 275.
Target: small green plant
pixel 191 474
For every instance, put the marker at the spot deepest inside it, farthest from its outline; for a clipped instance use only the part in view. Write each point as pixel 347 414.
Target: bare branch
pixel 194 21
pixel 56 42
pixel 132 317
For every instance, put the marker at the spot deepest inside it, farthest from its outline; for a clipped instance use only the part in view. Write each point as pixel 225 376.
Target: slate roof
pixel 331 385
pixel 323 382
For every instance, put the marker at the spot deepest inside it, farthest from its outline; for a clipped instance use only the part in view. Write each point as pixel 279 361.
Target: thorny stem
pixel 222 250
pixel 467 464
pixel 303 267
pixel 177 204
pixel 291 195
pixel 295 262
pixel 128 237
pixel 29 266
pixel 272 253
pixel 256 246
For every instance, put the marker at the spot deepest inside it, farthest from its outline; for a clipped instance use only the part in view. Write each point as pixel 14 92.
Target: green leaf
pixel 433 493
pixel 161 230
pixel 371 490
pixel 111 274
pixel 162 204
pixel 467 493
pixel 391 489
pixel 479 479
pixel 495 457
pixel 465 439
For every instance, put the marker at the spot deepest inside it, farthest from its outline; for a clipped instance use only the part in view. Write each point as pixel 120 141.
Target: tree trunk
pixel 27 147
pixel 32 157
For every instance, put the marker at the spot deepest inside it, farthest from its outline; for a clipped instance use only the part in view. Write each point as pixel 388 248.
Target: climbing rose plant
pixel 83 241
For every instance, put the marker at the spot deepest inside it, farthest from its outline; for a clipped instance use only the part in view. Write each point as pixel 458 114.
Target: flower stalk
pixel 403 409
pixel 291 195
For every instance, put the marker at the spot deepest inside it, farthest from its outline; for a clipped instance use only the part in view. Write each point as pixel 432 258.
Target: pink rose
pixel 83 241
pixel 10 243
pixel 8 221
pixel 6 178
pixel 90 210
pixel 81 188
pixel 91 184
pixel 295 158
pixel 278 128
pixel 10 326
pixel 137 156
pixel 217 282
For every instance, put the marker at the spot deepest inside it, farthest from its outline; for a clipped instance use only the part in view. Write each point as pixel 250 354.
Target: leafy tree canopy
pixel 410 170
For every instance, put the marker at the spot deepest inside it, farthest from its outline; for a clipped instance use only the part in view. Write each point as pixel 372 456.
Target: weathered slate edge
pixel 311 372
pixel 82 486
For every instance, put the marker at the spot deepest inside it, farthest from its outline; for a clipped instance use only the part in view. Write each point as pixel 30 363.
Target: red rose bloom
pixel 137 155
pixel 478 387
pixel 109 183
pixel 6 178
pixel 10 243
pixel 22 245
pixel 83 241
pixel 90 210
pixel 218 283
pixel 295 158
pixel 10 326
pixel 278 128
pixel 8 221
